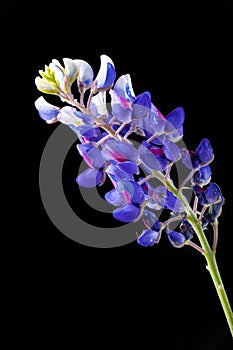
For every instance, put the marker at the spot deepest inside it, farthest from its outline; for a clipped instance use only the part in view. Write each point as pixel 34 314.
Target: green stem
pixel 209 254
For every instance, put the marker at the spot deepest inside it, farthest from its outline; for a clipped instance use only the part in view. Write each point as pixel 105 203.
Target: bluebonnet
pixel 103 132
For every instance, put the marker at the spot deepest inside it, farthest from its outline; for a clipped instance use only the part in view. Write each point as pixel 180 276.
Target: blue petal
pixel 176 238
pixel 141 105
pixel 116 174
pixel 158 162
pixel 123 87
pixel 87 133
pixel 107 74
pixel 126 213
pixel 202 176
pixel 177 135
pixel 121 108
pixel 128 167
pixel 85 75
pixel 175 119
pixel 114 197
pixel 119 151
pixel 91 155
pixel 150 220
pixel 205 152
pixel 148 238
pixel 90 178
pixel 171 151
pixel 155 122
pixel 132 191
pixel 213 193
pixel 46 111
pixel 167 200
pixel 189 159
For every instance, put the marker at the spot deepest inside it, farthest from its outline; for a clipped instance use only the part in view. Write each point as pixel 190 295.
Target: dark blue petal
pixel 171 151
pixel 213 193
pixel 216 209
pixel 131 191
pixel 114 197
pixel 200 194
pixel 141 105
pixel 148 238
pixel 205 152
pixel 90 178
pixel 176 238
pixel 126 213
pixel 187 229
pixel 189 159
pixel 91 155
pixel 175 119
pixel 150 220
pixel 119 151
pixel 202 176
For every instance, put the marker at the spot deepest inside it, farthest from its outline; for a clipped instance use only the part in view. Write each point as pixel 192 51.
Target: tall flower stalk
pixel 106 133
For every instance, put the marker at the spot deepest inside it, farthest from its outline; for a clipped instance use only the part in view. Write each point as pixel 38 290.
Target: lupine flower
pixel 148 238
pixel 158 158
pixel 202 156
pixel 93 157
pixel 47 111
pixel 211 194
pixel 85 74
pixel 106 75
pixel 119 151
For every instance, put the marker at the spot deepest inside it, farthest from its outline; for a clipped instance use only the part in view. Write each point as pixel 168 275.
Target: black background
pixel 128 296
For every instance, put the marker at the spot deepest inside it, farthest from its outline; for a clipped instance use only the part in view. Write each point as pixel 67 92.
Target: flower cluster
pixel 106 132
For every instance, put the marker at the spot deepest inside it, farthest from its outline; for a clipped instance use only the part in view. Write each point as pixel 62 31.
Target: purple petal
pixel 46 110
pixel 91 155
pixel 114 197
pixel 213 193
pixel 171 151
pixel 119 151
pixel 175 119
pixel 131 191
pixel 202 176
pixel 115 174
pixel 148 238
pixel 141 105
pixel 123 87
pixel 205 152
pixel 126 213
pixel 176 136
pixel 176 238
pixel 107 74
pixel 90 178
